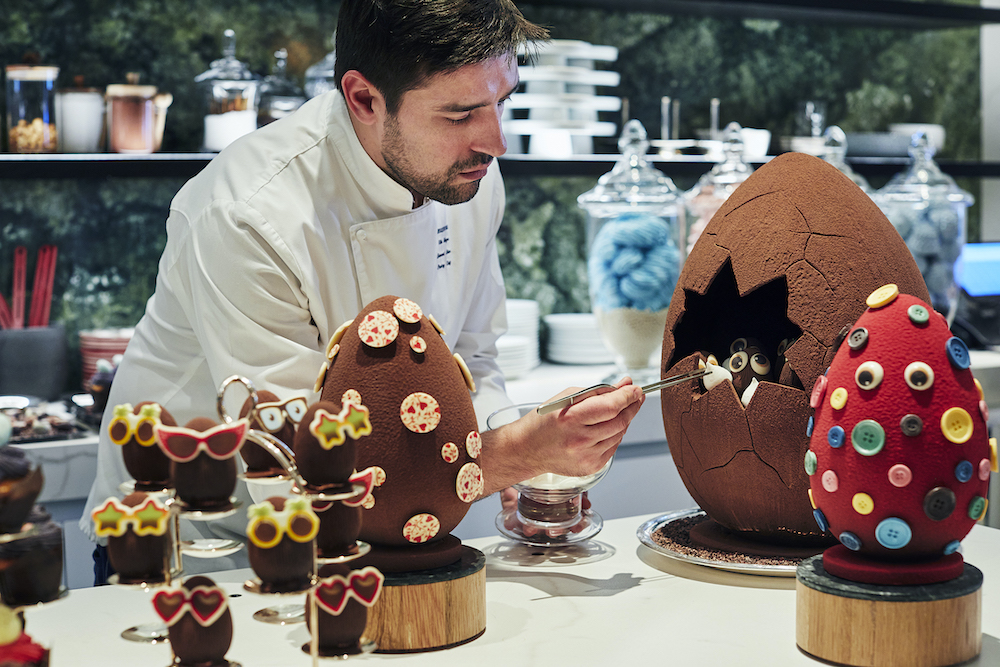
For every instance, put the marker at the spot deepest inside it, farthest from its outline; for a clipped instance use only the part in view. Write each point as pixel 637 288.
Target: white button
pixel 361 235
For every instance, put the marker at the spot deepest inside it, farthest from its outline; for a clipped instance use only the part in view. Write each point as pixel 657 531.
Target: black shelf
pixel 102 165
pixel 876 13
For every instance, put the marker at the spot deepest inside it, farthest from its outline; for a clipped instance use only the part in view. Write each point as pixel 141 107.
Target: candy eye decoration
pixel 919 376
pixel 869 375
pixel 760 364
pixel 738 361
pixel 784 345
pixel 738 345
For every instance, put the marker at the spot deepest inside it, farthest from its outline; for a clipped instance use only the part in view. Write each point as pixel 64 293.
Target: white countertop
pixel 626 604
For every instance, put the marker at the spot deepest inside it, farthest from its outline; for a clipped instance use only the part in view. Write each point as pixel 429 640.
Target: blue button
pixel 893 533
pixel 835 436
pixel 951 547
pixel 850 540
pixel 821 521
pixel 809 427
pixel 958 353
pixel 963 471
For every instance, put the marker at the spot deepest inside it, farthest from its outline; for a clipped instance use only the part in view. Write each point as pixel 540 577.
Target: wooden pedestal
pixel 884 626
pixel 431 609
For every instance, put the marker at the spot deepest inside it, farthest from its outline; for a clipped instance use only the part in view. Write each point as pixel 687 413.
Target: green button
pixel 977 507
pixel 810 462
pixel 918 314
pixel 868 437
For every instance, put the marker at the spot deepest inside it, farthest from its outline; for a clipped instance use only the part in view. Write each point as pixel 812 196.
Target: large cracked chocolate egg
pixel 424 442
pixel 788 260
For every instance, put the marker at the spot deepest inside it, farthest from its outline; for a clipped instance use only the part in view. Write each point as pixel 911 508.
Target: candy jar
pixel 928 209
pixel 320 77
pixel 80 118
pixel 713 189
pixel 279 95
pixel 137 115
pixel 231 97
pixel 634 214
pixel 31 126
pixel 835 151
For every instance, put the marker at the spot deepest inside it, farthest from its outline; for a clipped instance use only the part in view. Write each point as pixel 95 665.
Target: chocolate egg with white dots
pixel 424 439
pixel 900 456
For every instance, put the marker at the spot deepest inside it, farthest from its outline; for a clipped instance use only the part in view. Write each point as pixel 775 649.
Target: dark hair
pixel 399 44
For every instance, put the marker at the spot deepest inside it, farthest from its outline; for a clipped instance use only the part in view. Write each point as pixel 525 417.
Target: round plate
pixel 128 487
pixel 208 515
pixel 210 547
pixel 283 614
pixel 591 526
pixel 356 490
pixel 113 579
pixel 147 633
pixel 749 564
pixel 367 646
pixel 363 548
pixel 63 592
pixel 254 586
pixel 269 480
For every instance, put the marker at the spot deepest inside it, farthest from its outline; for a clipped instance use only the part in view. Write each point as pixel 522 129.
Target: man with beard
pixel 388 185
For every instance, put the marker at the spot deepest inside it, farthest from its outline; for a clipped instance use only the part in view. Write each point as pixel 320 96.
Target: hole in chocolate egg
pixel 711 322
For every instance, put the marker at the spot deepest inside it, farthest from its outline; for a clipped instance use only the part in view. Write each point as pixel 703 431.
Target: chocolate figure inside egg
pixel 134 430
pixel 138 532
pixel 788 260
pixel 203 460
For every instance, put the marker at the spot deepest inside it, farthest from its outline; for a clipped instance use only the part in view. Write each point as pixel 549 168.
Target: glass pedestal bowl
pixel 549 509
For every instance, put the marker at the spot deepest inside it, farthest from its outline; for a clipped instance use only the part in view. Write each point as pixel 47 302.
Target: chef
pixel 388 185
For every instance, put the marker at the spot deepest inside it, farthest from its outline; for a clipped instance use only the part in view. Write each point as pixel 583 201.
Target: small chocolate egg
pixel 133 429
pixel 280 539
pixel 138 533
pixel 203 460
pixel 199 624
pixel 278 418
pixel 326 443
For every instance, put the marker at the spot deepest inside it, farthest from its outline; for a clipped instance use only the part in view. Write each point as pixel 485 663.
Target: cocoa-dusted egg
pixel 342 598
pixel 900 457
pixel 203 460
pixel 199 624
pixel 424 445
pixel 791 256
pixel 138 532
pixel 281 534
pixel 276 417
pixel 134 430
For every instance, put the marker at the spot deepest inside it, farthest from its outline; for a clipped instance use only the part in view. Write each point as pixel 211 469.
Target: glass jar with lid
pixel 929 211
pixel 279 95
pixel 31 122
pixel 230 97
pixel 137 116
pixel 634 216
pixel 714 187
pixel 321 77
pixel 835 152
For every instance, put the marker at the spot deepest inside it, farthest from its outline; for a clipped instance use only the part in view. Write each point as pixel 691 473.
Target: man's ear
pixel 363 99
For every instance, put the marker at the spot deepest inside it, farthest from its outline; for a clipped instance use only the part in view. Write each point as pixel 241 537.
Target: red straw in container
pixel 20 270
pixel 6 317
pixel 50 276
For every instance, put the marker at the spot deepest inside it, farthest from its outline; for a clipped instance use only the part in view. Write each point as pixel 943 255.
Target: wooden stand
pixel 431 609
pixel 884 626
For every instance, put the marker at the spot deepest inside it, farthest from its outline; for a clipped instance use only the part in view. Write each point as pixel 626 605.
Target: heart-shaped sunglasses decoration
pixel 205 603
pixel 364 585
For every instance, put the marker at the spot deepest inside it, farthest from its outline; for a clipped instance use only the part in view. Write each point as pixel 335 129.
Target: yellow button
pixel 863 503
pixel 993 455
pixel 883 296
pixel 979 388
pixel 811 501
pixel 956 424
pixel 838 399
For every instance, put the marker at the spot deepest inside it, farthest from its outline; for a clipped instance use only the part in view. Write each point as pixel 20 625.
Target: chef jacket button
pixel 883 296
pixel 816 397
pixel 911 425
pixel 918 314
pixel 809 427
pixel 893 533
pixel 900 475
pixel 956 425
pixel 951 547
pixel 361 235
pixel 977 508
pixel 830 481
pixel 810 462
pixel 858 338
pixel 821 521
pixel 868 437
pixel 838 399
pixel 939 503
pixel 984 470
pixel 835 436
pixel 963 471
pixel 850 540
pixel 863 503
pixel 958 353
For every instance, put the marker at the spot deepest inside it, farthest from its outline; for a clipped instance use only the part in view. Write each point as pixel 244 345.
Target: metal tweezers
pixel 573 399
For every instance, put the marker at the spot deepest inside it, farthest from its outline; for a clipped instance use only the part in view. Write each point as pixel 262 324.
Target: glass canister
pixel 80 118
pixel 136 116
pixel 279 95
pixel 929 210
pixel 714 187
pixel 634 216
pixel 31 123
pixel 835 152
pixel 230 96
pixel 320 77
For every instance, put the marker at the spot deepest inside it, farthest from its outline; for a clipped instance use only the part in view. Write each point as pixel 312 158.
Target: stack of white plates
pixel 575 339
pixel 517 350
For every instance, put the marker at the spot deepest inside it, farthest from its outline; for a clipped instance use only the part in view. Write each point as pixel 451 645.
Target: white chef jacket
pixel 286 235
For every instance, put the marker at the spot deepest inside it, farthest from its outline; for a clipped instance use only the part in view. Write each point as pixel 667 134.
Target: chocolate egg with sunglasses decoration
pixel 203 460
pixel 280 538
pixel 199 623
pixel 138 532
pixel 133 429
pixel 276 417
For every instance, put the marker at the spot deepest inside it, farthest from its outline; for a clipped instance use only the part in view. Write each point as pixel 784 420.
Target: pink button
pixel 984 469
pixel 817 393
pixel 830 481
pixel 900 475
pixel 984 411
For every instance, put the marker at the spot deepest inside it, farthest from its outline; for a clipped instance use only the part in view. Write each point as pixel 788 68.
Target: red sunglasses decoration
pixel 205 603
pixel 364 585
pixel 220 442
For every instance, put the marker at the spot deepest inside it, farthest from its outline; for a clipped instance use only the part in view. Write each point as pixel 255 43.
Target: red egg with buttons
pixel 899 456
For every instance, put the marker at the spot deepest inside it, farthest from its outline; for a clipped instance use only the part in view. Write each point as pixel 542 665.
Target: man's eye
pixel 457 121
